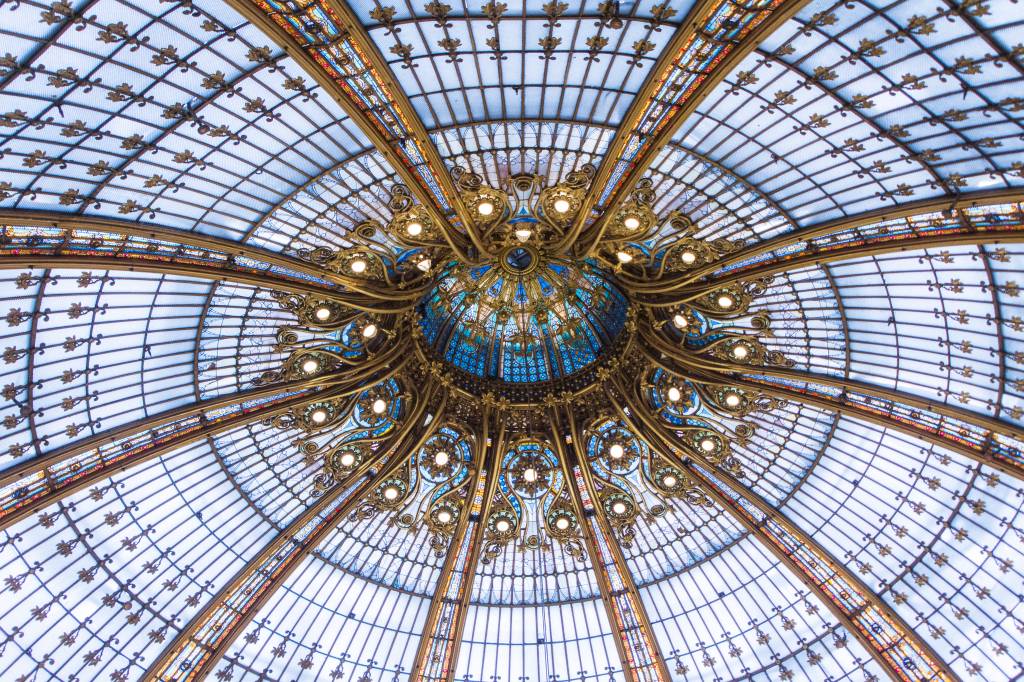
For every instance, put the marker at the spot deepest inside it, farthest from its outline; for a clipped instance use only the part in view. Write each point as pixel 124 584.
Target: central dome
pixel 525 317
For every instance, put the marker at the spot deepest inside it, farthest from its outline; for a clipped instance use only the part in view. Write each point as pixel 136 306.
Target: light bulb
pixel 502 526
pixel 523 234
pixel 562 523
pixel 708 445
pixel 619 508
pixel 348 459
pixel 689 257
pixel 358 266
pixel 310 366
pixel 414 229
pixel 323 313
pixel 424 264
pixel 370 331
pixel 725 302
pixel 485 208
pixel 379 406
pixel 391 493
pixel 624 256
pixel 680 321
pixel 318 416
pixel 631 222
pixel 562 206
pixel 444 516
pixel 732 399
pixel 441 458
pixel 673 394
pixel 616 451
pixel 740 352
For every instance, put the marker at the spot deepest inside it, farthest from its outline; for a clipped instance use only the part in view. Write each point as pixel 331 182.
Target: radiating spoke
pixel 438 650
pixel 885 635
pixel 40 482
pixel 642 660
pixel 711 40
pixel 882 631
pixel 966 224
pixel 987 440
pixel 911 220
pixel 166 422
pixel 53 240
pixel 982 218
pixel 201 644
pixel 326 39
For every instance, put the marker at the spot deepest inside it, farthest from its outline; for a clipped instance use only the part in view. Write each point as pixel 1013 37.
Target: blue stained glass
pixel 540 324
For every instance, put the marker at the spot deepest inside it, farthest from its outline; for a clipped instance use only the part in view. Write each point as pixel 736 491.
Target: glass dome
pixel 766 284
pixel 523 319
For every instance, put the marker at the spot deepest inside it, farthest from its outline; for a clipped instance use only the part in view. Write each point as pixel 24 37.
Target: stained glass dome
pixel 523 319
pixel 511 341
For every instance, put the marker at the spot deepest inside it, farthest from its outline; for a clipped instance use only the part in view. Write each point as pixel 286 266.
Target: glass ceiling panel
pixel 849 108
pixel 107 348
pixel 816 339
pixel 272 474
pixel 744 616
pixel 266 465
pixel 237 339
pixel 571 61
pixel 327 624
pixel 269 471
pixel 684 536
pixel 96 586
pixel 785 445
pixel 325 211
pixel 930 323
pixel 930 531
pixel 188 118
pixel 561 642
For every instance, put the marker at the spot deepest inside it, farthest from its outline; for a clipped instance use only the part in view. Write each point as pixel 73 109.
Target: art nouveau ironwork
pixel 379 342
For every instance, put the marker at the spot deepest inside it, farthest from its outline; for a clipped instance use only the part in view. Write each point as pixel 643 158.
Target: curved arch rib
pixel 896 646
pixel 202 643
pixel 42 481
pixel 330 43
pixel 35 488
pixel 713 38
pixel 169 420
pixel 983 439
pixel 980 217
pixel 986 440
pixel 639 653
pixel 52 239
pixel 964 225
pixel 438 650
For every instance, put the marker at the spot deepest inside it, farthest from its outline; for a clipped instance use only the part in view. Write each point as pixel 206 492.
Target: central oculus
pixel 519 259
pixel 525 317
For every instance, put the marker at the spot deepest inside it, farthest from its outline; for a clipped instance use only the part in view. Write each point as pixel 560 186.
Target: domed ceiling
pixel 512 342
